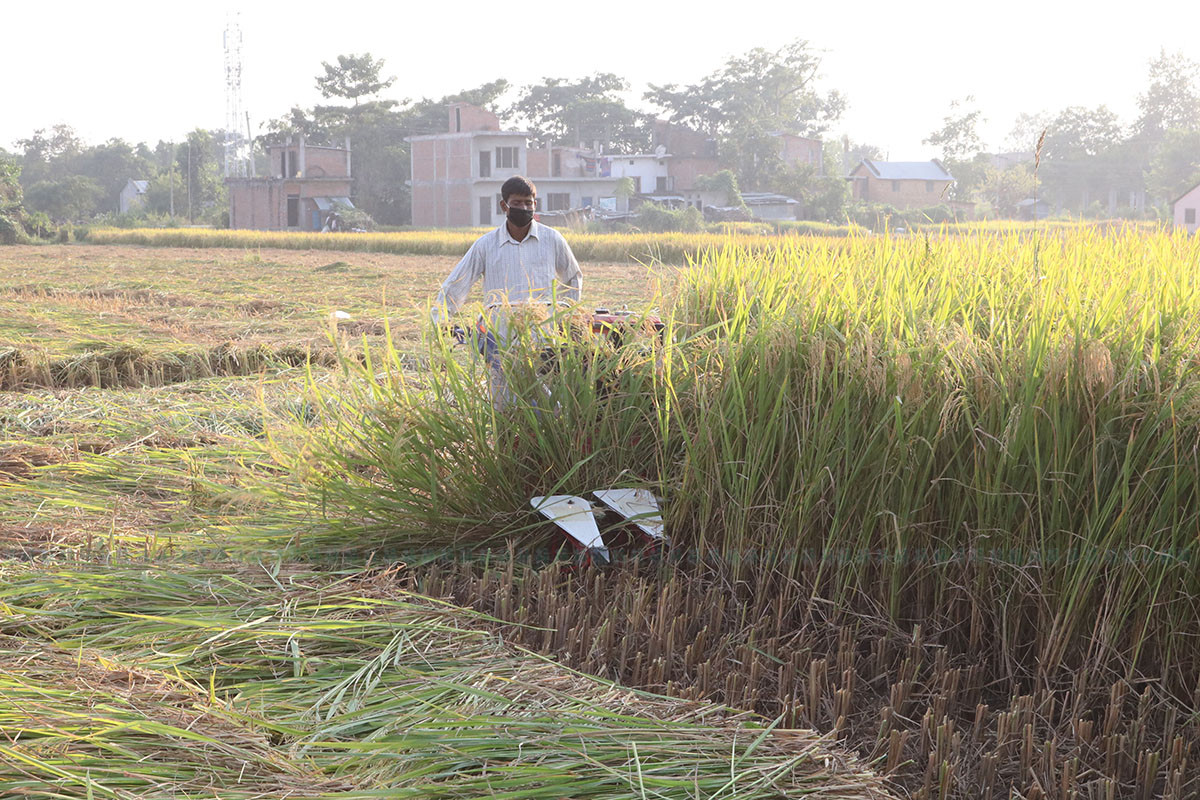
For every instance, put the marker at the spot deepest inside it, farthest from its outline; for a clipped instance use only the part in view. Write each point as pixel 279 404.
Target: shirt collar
pixel 506 237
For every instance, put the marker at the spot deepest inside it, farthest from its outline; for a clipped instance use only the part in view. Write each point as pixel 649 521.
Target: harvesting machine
pixel 637 510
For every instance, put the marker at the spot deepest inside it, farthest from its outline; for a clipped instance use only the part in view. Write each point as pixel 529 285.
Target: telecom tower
pixel 238 159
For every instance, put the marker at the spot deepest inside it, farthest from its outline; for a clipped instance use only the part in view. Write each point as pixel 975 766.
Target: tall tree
pixel 590 109
pixel 354 77
pixel 749 100
pixel 960 145
pixel 1172 98
pixel 1082 159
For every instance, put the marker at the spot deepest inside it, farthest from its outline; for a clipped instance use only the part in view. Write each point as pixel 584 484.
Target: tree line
pixel 1081 160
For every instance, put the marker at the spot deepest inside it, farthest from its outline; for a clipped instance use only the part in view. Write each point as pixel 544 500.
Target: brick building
pixel 306 183
pixel 1185 210
pixel 456 175
pixel 903 184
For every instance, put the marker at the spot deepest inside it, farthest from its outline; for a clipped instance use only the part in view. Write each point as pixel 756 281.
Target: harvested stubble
pixel 239 683
pixel 940 718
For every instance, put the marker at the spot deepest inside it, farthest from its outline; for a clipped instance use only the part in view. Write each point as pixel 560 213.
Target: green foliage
pixel 354 77
pixel 1175 165
pixel 12 211
pixel 821 197
pixel 747 101
pixel 1171 101
pixel 590 109
pixel 657 218
pixel 726 184
pixel 881 216
pixel 961 147
pixel 1002 189
pixel 72 198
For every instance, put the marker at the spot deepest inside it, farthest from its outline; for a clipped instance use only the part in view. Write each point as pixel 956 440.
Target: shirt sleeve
pixel 567 269
pixel 458 285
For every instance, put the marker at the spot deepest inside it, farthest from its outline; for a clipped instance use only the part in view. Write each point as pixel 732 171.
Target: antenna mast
pixel 237 147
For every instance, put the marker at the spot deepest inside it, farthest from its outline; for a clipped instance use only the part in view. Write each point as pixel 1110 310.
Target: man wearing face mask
pixel 521 262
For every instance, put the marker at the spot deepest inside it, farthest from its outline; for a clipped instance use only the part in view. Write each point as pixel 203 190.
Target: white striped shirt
pixel 538 269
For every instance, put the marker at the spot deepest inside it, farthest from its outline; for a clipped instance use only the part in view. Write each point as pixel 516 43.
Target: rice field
pixel 933 507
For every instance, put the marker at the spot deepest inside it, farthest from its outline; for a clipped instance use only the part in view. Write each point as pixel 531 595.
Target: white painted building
pixel 649 171
pixel 132 196
pixel 1186 210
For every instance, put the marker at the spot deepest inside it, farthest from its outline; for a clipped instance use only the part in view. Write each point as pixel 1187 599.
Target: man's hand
pixel 456 332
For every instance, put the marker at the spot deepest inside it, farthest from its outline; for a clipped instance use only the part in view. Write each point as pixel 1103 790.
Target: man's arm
pixel 458 285
pixel 567 269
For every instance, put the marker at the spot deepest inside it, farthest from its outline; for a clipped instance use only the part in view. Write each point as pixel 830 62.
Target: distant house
pixel 307 183
pixel 132 196
pixel 1031 208
pixel 796 150
pixel 1186 209
pixel 903 184
pixel 457 174
pixel 764 205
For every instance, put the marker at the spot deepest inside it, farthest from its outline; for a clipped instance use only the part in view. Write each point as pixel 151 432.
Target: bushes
pixel 656 218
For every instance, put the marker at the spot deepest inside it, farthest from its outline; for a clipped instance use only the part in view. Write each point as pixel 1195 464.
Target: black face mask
pixel 520 217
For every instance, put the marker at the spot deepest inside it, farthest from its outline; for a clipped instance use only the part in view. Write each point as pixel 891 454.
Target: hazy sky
pixel 145 71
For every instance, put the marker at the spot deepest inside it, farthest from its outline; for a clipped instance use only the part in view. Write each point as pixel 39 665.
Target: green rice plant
pixel 995 428
pixel 233 681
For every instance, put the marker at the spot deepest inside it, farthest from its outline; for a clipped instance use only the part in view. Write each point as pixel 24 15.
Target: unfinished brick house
pixel 456 175
pixel 306 184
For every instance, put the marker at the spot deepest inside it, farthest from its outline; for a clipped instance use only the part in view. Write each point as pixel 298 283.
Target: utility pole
pixel 189 185
pixel 171 182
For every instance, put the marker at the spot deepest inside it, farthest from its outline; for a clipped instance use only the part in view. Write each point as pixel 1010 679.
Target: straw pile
pixel 233 684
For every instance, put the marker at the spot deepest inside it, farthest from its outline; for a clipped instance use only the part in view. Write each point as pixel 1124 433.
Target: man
pixel 522 263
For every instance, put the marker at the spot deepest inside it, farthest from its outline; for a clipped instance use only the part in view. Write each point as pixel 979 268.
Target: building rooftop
pixel 931 170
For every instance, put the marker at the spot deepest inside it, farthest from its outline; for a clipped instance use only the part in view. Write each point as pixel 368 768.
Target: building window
pixel 485 210
pixel 458 120
pixel 558 201
pixel 1189 216
pixel 929 187
pixel 895 186
pixel 660 184
pixel 557 169
pixel 485 163
pixel 507 158
pixel 293 212
pixel 637 183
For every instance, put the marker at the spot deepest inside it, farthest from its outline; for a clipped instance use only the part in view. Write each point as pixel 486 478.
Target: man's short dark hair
pixel 517 184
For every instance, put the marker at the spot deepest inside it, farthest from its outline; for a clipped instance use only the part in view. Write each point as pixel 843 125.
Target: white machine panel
pixel 575 516
pixel 639 506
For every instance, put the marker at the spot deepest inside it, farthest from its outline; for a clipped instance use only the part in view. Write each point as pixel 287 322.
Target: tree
pixel 69 199
pixel 624 190
pixel 354 77
pixel 45 155
pixel 1082 159
pixel 1002 189
pixel 567 112
pixel 749 100
pixel 1175 165
pixel 958 137
pixel 1171 100
pixel 1026 130
pixel 724 183
pixel 822 197
pixel 12 212
pixel 960 144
